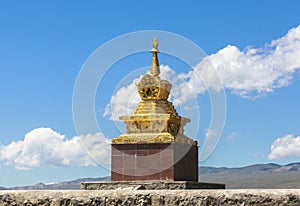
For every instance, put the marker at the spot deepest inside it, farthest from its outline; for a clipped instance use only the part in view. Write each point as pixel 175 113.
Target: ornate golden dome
pixel 153 88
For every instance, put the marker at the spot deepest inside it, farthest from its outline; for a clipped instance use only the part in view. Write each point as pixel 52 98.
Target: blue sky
pixel 44 45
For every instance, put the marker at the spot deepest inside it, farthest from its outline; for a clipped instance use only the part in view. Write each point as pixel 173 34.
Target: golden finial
pixel 155 71
pixel 155 44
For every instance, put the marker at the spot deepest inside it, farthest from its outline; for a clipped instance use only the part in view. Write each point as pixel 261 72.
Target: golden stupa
pixel 155 119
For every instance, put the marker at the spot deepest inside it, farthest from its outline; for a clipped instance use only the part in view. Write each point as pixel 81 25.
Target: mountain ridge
pixel 269 167
pixel 256 176
pixel 64 185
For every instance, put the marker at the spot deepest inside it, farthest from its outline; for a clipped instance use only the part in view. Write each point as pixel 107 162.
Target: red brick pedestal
pixel 155 161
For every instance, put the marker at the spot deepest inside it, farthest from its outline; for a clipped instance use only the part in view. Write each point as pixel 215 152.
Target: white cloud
pixel 232 136
pixel 123 102
pixel 45 147
pixel 286 146
pixel 250 73
pixel 210 133
pixel 254 71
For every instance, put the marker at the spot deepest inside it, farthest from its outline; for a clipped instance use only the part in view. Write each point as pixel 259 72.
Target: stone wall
pixel 151 197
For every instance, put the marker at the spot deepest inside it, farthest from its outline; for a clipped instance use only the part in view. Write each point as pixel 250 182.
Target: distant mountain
pixel 68 185
pixel 248 169
pixel 258 176
pixel 2 188
pixel 262 176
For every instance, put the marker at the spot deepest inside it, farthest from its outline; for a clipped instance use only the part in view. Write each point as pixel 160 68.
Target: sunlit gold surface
pixel 155 119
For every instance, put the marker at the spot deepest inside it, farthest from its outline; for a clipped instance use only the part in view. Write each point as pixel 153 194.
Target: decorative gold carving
pixel 155 118
pixel 152 88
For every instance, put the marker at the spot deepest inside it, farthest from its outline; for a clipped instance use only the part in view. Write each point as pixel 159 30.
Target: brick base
pixel 157 161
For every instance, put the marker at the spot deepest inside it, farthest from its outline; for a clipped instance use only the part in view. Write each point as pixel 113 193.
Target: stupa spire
pixel 155 71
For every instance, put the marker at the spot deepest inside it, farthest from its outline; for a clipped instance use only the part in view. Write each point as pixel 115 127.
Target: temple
pixel 154 146
pixel 153 153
